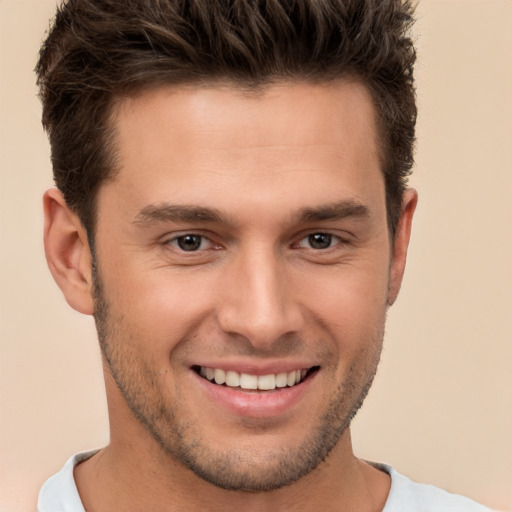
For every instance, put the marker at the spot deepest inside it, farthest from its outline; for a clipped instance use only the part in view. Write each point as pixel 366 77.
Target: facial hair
pixel 238 469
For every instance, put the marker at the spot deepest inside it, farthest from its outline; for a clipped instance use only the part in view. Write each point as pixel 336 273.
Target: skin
pixel 276 167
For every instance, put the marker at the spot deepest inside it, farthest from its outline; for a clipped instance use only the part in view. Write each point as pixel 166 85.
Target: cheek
pixel 350 291
pixel 351 305
pixel 153 309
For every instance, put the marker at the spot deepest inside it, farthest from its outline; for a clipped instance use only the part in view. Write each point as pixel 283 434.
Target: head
pixel 240 170
pixel 99 52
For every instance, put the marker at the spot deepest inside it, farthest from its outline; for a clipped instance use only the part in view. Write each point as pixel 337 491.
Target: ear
pixel 67 252
pixel 401 244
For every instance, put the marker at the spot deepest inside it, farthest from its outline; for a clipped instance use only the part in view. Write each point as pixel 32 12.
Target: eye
pixel 319 241
pixel 190 242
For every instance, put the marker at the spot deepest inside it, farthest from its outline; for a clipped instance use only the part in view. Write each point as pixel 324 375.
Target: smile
pixel 249 381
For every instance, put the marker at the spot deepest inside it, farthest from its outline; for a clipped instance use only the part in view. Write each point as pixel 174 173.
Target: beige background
pixel 441 408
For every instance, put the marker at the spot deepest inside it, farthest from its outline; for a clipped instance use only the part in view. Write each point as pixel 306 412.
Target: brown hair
pixel 98 51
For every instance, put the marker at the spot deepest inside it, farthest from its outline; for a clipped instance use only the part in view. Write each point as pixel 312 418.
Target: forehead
pixel 293 111
pixel 193 143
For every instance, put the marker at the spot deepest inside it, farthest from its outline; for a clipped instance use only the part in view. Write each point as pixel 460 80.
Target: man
pixel 232 208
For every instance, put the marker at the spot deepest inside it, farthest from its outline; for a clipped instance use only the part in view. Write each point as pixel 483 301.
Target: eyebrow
pixel 164 212
pixel 334 211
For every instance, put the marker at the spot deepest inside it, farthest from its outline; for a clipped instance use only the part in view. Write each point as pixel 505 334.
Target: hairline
pixel 248 87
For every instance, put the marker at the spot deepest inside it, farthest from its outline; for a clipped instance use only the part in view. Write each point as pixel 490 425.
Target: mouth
pixel 252 382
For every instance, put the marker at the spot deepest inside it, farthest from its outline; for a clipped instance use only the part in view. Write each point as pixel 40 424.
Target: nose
pixel 258 300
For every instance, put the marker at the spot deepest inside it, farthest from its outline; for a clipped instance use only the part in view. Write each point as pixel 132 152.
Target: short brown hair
pixel 98 51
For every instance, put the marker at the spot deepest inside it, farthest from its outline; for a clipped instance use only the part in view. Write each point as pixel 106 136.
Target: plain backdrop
pixel 440 410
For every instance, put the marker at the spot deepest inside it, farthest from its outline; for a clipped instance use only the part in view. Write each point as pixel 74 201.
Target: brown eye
pixel 189 242
pixel 320 240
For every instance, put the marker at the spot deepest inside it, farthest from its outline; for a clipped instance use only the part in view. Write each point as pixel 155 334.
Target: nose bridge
pixel 257 301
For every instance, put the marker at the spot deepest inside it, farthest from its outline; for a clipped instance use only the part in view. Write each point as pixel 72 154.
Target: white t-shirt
pixel 59 493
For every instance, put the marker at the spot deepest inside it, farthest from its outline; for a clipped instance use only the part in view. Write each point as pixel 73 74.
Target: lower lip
pixel 256 404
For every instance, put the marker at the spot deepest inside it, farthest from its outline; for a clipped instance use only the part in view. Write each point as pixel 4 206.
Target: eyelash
pixel 175 242
pixel 333 241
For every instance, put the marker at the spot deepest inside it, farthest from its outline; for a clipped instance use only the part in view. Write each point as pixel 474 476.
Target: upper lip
pixel 258 368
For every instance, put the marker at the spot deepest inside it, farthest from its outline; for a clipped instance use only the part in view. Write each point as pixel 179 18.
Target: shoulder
pixel 59 492
pixel 408 496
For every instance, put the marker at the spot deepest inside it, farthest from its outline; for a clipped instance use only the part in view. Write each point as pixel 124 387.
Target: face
pixel 243 274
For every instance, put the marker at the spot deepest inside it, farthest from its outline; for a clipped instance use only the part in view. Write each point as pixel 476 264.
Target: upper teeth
pixel 249 381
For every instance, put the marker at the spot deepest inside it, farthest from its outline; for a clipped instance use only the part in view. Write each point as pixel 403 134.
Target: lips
pixel 255 391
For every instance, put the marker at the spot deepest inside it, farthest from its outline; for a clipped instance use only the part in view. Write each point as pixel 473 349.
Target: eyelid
pixel 175 242
pixel 335 240
pixel 171 240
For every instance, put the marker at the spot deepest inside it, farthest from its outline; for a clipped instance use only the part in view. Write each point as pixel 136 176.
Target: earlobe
pixel 401 244
pixel 67 252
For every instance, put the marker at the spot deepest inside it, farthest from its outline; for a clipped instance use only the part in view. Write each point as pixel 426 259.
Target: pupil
pixel 189 242
pixel 320 240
